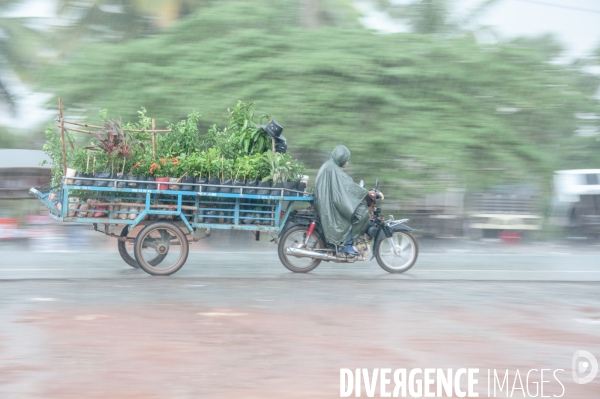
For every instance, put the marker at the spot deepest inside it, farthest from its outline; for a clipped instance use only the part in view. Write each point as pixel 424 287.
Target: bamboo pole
pixel 153 139
pixel 83 124
pixel 125 130
pixel 273 142
pixel 148 131
pixel 62 136
pixel 77 130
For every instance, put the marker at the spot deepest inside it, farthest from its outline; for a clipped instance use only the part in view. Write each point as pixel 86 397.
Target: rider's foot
pixel 350 250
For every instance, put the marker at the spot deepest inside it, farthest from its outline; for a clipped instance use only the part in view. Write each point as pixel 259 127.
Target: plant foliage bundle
pixel 239 151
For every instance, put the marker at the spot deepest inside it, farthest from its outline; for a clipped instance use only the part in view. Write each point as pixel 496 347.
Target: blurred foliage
pixel 19 45
pixel 421 112
pixel 8 140
pixel 434 16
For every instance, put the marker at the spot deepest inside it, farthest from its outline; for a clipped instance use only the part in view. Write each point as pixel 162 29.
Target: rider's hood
pixel 340 155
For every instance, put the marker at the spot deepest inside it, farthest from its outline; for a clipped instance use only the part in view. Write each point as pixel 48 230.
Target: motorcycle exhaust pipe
pixel 303 253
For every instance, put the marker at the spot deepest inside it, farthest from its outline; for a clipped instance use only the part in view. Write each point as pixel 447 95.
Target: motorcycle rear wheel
pixel 294 237
pixel 405 256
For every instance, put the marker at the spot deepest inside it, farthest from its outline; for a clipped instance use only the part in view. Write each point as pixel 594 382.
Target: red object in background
pixel 9 228
pixel 510 237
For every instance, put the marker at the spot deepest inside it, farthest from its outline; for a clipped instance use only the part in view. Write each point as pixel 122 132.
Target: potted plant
pixel 159 170
pixel 226 174
pixel 174 170
pixel 195 165
pixel 185 172
pixel 214 168
pixel 279 170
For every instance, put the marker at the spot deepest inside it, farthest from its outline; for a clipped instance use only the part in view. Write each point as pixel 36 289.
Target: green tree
pixel 418 111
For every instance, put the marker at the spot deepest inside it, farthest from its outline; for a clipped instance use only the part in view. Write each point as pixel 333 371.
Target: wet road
pixel 485 264
pixel 237 324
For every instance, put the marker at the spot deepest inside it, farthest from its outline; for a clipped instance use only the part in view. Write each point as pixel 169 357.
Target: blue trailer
pixel 170 217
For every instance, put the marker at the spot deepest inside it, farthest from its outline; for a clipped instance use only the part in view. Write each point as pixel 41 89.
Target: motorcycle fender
pixel 401 227
pixel 383 234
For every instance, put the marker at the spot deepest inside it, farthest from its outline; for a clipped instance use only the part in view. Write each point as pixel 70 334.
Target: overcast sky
pixel 575 23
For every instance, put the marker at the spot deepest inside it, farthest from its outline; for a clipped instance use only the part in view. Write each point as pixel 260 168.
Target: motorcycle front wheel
pixel 397 253
pixel 294 238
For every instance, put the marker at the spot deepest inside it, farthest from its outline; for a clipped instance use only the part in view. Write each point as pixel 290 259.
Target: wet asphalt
pixel 72 324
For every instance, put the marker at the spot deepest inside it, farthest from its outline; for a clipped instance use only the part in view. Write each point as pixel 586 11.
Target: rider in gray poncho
pixel 339 202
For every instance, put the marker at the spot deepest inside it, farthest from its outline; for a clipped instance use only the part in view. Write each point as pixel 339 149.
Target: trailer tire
pixel 130 260
pixel 159 238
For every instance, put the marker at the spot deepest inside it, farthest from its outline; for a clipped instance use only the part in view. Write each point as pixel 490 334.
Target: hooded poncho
pixel 337 198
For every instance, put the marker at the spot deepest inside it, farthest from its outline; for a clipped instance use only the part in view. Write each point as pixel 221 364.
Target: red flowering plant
pixel 164 167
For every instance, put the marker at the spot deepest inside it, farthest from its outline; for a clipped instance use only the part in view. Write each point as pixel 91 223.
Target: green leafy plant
pixel 183 140
pixel 249 137
pixel 53 148
pixel 279 167
pixel 195 164
pixel 297 169
pixel 213 163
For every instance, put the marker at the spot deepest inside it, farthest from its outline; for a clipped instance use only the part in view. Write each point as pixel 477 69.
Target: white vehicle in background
pixel 576 201
pixel 507 212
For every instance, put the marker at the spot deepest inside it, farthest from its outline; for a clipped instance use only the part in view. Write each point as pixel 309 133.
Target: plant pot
pixel 73 207
pixel 162 180
pixel 186 182
pixel 290 185
pixel 88 182
pixel 277 192
pixel 83 211
pixel 132 184
pixel 98 211
pixel 174 183
pixel 251 183
pixel 101 175
pixel 302 185
pixel 79 181
pixel 238 183
pixel 228 182
pixel 122 208
pixel 213 182
pixel 70 173
pixel 150 185
pixel 212 219
pixel 262 190
pixel 121 183
pixel 201 180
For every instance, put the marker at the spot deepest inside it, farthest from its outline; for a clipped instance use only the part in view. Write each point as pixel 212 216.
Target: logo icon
pixel 584 362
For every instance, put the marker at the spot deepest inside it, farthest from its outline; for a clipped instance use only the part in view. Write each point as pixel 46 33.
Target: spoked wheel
pixel 164 241
pixel 397 253
pixel 294 238
pixel 127 253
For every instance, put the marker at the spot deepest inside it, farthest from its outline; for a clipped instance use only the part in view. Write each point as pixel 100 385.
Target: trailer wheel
pixel 122 245
pixel 162 240
pixel 129 256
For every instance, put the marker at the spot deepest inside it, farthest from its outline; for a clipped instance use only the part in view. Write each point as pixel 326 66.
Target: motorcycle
pixel 302 246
